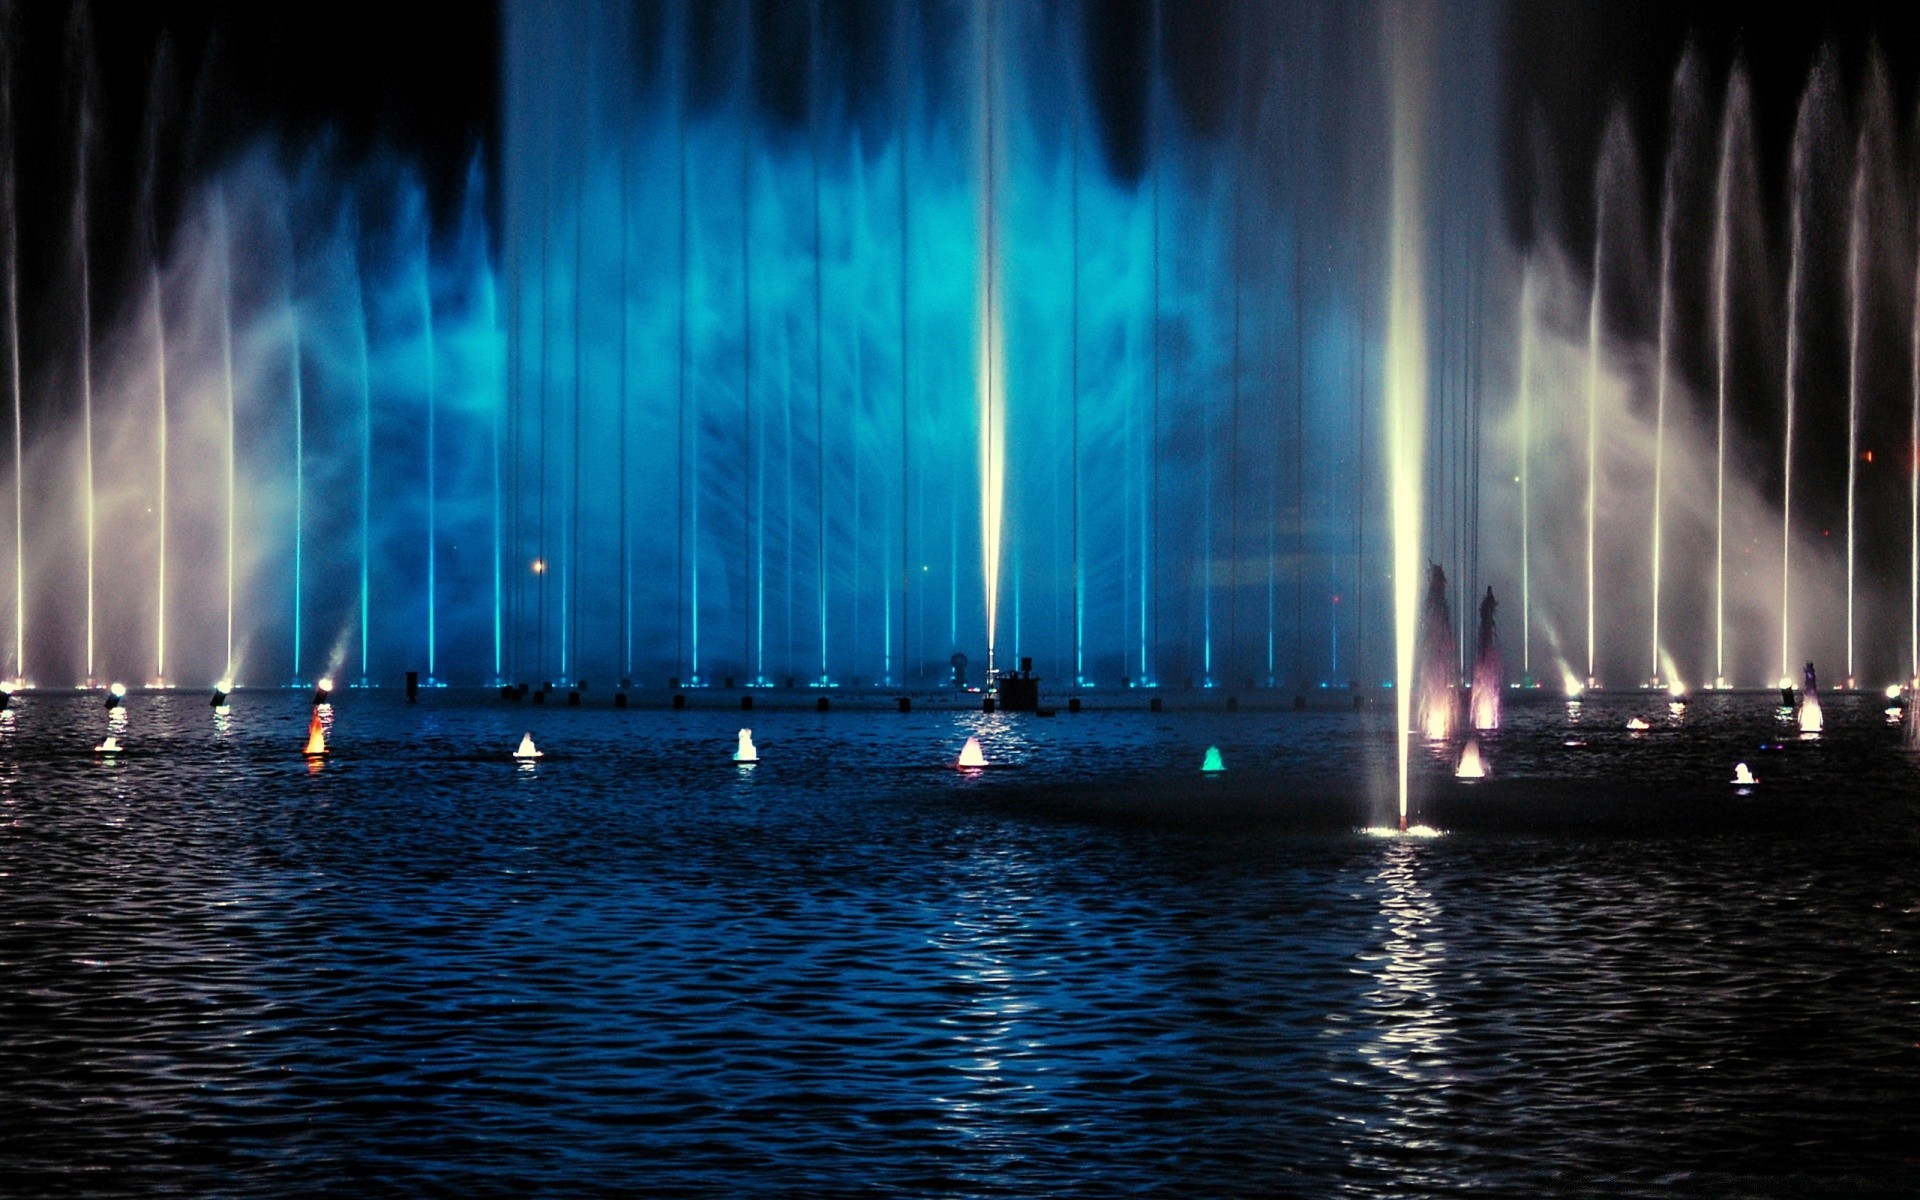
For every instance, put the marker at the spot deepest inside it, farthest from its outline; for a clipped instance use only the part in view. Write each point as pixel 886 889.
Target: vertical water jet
pixel 226 368
pixel 13 362
pixel 1593 394
pixel 1407 31
pixel 366 455
pixel 299 478
pixel 83 244
pixel 1796 216
pixel 992 423
pixel 1526 472
pixel 1856 223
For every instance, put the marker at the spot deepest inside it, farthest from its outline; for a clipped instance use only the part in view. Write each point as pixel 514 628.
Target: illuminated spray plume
pixel 993 430
pixel 1407 33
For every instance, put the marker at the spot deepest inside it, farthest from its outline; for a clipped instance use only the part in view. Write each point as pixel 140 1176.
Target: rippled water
pixel 636 968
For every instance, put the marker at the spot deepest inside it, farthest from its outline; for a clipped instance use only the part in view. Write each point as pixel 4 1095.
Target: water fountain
pixel 1489 673
pixel 1810 718
pixel 1436 690
pixel 412 457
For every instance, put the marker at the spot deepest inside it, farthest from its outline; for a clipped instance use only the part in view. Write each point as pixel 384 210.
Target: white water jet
pixel 1525 478
pixel 527 749
pixel 746 751
pixel 1472 765
pixel 1593 392
pixel 1407 30
pixel 1735 106
pixel 110 746
pixel 1743 776
pixel 1857 218
pixel 13 363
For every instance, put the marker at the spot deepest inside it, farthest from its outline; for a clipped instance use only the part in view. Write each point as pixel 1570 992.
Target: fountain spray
pixel 82 244
pixel 1736 97
pixel 1593 384
pixel 1857 221
pixel 366 455
pixel 226 361
pixel 1526 472
pixel 1406 357
pixel 1796 244
pixel 992 423
pixel 13 361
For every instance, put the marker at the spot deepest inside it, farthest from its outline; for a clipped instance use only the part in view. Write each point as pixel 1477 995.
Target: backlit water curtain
pixel 824 342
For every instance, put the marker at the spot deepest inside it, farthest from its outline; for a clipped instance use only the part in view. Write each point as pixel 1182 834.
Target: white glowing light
pixel 746 751
pixel 325 685
pixel 1472 766
pixel 1893 691
pixel 1637 723
pixel 1742 775
pixel 971 755
pixel 118 689
pixel 1411 831
pixel 526 748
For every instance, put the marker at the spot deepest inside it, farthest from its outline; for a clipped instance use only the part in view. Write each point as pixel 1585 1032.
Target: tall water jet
pixel 83 248
pixel 1796 238
pixel 1723 190
pixel 1593 386
pixel 1526 471
pixel 1663 342
pixel 1407 33
pixel 433 454
pixel 366 455
pixel 992 422
pixel 1489 674
pixel 1913 507
pixel 1856 222
pixel 10 215
pixel 225 236
pixel 160 487
pixel 1437 691
pixel 148 205
pixel 299 478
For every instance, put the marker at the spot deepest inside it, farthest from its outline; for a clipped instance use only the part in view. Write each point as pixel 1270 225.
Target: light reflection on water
pixel 638 966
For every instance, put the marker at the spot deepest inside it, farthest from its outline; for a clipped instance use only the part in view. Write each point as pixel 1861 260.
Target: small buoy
pixel 1471 765
pixel 1742 775
pixel 316 737
pixel 1637 723
pixel 526 748
pixel 746 752
pixel 971 755
pixel 1213 761
pixel 110 746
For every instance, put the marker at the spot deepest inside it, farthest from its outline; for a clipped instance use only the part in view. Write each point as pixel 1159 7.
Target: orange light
pixel 1866 456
